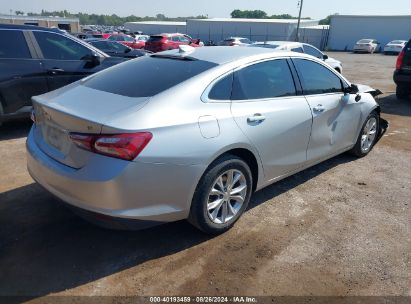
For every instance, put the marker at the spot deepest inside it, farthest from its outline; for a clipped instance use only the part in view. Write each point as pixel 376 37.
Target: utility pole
pixel 297 35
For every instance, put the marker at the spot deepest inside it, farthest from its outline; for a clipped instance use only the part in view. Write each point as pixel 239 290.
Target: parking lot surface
pixel 339 228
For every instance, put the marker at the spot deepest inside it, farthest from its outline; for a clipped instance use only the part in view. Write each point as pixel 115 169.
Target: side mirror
pixel 325 57
pixel 92 59
pixel 353 89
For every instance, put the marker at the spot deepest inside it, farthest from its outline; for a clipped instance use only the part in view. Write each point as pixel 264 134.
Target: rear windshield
pixel 154 38
pixel 398 42
pixel 146 76
pixel 268 46
pixel 364 41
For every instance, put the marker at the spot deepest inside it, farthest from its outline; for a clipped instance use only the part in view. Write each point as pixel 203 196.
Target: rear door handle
pixel 319 108
pixel 54 71
pixel 256 118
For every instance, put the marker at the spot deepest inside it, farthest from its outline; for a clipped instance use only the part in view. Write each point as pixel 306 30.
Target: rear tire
pixel 217 204
pixel 368 136
pixel 402 92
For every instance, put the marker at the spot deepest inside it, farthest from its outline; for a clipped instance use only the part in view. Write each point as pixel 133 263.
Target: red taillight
pixel 400 60
pixel 124 146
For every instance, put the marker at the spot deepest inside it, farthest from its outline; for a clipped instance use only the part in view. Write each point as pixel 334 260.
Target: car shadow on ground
pixel 15 129
pixel 45 248
pixel 390 104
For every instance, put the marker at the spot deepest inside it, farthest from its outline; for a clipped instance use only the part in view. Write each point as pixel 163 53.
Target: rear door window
pixel 297 49
pixel 313 52
pixel 222 89
pixel 267 79
pixel 58 47
pixel 13 45
pixel 146 76
pixel 317 79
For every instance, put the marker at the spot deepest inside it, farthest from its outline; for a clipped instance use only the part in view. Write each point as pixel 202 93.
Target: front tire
pixel 368 136
pixel 222 195
pixel 402 92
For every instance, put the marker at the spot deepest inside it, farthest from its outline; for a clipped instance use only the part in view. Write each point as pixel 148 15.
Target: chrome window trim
pixel 204 97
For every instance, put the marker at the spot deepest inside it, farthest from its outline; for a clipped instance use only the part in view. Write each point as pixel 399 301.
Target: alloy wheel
pixel 226 196
pixel 369 134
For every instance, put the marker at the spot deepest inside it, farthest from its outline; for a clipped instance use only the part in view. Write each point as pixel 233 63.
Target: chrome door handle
pixel 256 118
pixel 319 108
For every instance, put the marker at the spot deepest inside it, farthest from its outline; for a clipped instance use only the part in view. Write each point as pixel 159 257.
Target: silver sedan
pixel 192 133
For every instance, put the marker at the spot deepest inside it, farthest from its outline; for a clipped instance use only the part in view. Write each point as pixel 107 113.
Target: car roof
pixel 224 54
pixel 29 27
pixel 95 39
pixel 228 38
pixel 280 43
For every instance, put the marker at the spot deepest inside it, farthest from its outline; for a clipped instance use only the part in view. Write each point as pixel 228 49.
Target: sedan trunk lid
pixel 75 108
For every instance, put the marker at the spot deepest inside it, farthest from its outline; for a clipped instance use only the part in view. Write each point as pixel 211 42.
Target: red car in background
pixel 164 42
pixel 127 40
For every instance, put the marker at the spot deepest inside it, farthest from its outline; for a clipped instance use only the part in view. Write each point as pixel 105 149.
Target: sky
pixel 316 9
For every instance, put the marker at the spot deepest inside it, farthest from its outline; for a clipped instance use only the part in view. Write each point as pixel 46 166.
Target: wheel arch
pixel 248 156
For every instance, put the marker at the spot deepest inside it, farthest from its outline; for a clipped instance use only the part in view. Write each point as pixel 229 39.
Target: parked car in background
pixel 36 60
pixel 402 73
pixel 367 46
pixel 235 41
pixel 226 121
pixel 88 35
pixel 394 47
pixel 300 48
pixel 126 40
pixel 116 49
pixel 141 40
pixel 164 42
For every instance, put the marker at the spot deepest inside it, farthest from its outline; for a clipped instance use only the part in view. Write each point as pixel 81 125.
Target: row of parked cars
pixel 373 46
pixel 41 60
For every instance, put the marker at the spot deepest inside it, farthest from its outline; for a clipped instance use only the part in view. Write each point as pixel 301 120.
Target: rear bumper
pixel 362 49
pixel 401 78
pixel 117 188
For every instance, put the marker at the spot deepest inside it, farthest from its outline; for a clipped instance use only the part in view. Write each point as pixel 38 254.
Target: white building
pixel 217 29
pixel 316 35
pixel 346 30
pixel 156 27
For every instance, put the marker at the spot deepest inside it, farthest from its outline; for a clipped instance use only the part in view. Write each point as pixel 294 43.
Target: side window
pixel 184 39
pixel 117 46
pixel 313 52
pixel 128 39
pixel 175 39
pixel 317 79
pixel 58 47
pixel 222 89
pixel 13 45
pixel 268 79
pixel 297 49
pixel 100 44
pixel 112 38
pixel 245 40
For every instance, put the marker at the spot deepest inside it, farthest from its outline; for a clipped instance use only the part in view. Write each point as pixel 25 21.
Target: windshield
pixel 146 76
pixel 364 41
pixel 268 46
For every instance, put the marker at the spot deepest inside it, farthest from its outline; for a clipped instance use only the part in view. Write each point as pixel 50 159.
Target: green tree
pixel 256 14
pixel 327 20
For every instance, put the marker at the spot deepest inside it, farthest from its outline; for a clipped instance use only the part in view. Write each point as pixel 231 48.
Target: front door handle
pixel 55 71
pixel 319 108
pixel 256 118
